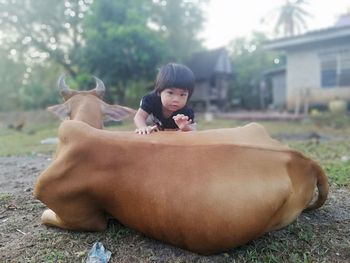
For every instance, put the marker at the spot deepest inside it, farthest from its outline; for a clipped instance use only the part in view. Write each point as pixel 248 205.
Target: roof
pixel 206 63
pixel 331 33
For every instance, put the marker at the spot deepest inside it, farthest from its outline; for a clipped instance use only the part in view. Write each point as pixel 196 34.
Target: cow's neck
pixel 88 112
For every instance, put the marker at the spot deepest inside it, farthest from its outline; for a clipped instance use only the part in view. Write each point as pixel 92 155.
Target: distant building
pixel 318 67
pixel 212 70
pixel 279 89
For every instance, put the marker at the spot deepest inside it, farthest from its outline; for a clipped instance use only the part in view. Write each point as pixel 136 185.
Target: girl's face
pixel 173 99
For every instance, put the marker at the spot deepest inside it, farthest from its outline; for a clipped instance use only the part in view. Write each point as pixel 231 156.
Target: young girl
pixel 167 102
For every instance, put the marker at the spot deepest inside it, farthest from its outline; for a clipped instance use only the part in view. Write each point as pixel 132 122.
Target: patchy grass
pixel 27 142
pixel 333 156
pixel 5 197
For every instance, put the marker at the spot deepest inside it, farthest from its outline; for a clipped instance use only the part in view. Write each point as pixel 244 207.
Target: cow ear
pixel 116 112
pixel 61 110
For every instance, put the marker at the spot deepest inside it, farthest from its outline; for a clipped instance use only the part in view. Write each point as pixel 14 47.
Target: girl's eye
pixel 184 95
pixel 170 92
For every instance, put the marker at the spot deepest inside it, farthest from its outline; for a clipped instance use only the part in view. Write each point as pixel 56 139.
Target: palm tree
pixel 290 18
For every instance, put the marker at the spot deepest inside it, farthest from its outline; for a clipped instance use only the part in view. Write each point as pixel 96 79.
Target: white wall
pixel 304 77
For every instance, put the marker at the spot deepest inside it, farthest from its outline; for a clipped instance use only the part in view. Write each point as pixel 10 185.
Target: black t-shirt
pixel 152 104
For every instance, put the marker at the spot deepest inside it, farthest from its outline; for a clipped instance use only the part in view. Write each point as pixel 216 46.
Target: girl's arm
pixel 140 123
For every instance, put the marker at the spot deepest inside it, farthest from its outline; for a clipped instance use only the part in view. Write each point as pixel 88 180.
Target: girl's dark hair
pixel 174 75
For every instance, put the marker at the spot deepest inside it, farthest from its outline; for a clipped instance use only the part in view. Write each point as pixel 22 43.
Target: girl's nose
pixel 176 98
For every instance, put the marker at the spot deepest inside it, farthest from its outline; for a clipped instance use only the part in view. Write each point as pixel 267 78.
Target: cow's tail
pixel 322 187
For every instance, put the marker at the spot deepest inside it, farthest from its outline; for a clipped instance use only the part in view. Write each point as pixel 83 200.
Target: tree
pixel 44 29
pixel 290 18
pixel 120 48
pixel 39 90
pixel 26 87
pixel 250 60
pixel 10 81
pixel 179 23
pixel 127 40
pixel 123 42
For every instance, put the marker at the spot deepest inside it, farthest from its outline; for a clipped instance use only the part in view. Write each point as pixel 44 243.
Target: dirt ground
pixel 318 236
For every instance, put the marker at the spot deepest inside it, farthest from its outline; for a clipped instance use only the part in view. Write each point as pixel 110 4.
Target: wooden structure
pixel 212 69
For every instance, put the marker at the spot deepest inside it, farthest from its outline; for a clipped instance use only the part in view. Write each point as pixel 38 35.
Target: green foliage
pixel 179 22
pixel 39 90
pixel 250 60
pixel 11 81
pixel 43 29
pixel 121 42
pixel 121 56
pixel 127 40
pixel 26 87
pixel 41 38
pixel 135 91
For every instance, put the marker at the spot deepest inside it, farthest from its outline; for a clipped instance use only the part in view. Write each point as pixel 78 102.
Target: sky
pixel 229 19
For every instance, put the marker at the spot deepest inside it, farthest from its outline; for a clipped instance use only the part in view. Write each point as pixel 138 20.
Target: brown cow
pixel 205 191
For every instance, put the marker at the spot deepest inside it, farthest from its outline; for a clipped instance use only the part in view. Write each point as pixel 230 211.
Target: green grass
pixel 26 142
pixel 332 156
pixel 295 243
pixel 55 256
pixel 5 197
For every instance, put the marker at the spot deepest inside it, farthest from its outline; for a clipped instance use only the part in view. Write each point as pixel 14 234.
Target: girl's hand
pixel 183 122
pixel 147 130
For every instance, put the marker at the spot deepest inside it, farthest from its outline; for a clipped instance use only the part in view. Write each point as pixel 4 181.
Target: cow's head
pixel 87 106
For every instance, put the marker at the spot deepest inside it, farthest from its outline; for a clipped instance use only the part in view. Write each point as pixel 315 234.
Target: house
pixel 212 70
pixel 317 69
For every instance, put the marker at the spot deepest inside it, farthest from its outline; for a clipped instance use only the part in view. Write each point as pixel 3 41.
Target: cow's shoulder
pixel 70 130
pixel 74 137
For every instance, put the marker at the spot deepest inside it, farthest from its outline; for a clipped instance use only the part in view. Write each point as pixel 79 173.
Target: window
pixel 344 76
pixel 329 73
pixel 335 69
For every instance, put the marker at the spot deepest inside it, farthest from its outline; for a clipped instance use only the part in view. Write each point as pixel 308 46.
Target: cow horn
pixel 64 90
pixel 100 87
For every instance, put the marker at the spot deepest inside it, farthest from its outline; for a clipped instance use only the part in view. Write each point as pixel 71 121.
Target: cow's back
pixel 205 191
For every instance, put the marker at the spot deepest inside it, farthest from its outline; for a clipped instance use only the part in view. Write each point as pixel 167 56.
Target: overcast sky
pixel 228 19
